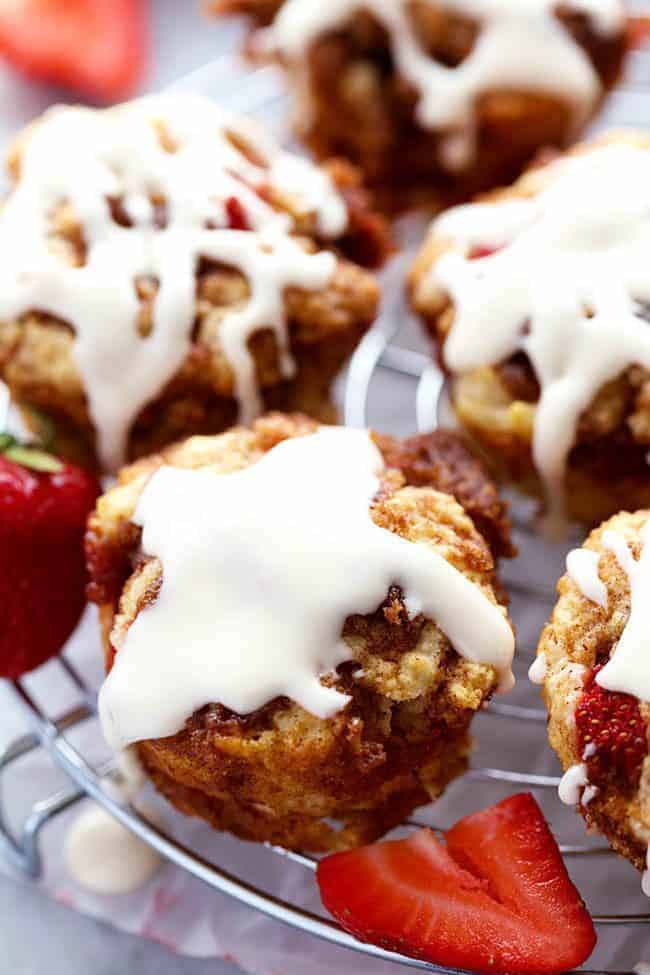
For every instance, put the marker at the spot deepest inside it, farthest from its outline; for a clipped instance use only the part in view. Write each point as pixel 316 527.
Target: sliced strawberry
pixel 497 898
pixel 612 731
pixel 95 47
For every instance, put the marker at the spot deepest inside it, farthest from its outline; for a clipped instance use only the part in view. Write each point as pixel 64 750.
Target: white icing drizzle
pixel 260 570
pixel 572 782
pixel 589 793
pixel 537 670
pixel 645 880
pixel 521 45
pixel 628 668
pixel 85 157
pixel 582 567
pixel 566 289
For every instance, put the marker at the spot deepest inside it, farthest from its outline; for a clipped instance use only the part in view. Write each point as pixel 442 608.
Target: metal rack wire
pixel 379 354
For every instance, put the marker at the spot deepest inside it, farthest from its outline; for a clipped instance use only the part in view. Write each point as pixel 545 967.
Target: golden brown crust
pixel 279 773
pixel 36 350
pixel 357 105
pixel 607 468
pixel 580 636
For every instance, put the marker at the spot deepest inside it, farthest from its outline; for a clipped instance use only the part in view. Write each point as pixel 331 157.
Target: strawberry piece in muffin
pixel 594 659
pixel 612 735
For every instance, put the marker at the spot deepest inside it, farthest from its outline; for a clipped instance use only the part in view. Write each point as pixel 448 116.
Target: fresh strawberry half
pixel 95 47
pixel 43 509
pixel 612 735
pixel 496 898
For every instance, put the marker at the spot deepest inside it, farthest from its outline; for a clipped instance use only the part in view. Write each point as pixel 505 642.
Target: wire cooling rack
pixel 389 376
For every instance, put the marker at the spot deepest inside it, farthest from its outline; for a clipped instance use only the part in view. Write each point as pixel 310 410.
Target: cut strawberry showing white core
pixel 495 898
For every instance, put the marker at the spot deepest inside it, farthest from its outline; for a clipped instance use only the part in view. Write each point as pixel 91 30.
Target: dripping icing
pixel 582 567
pixel 537 670
pixel 572 265
pixel 574 780
pixel 299 531
pixel 628 669
pixel 87 157
pixel 521 45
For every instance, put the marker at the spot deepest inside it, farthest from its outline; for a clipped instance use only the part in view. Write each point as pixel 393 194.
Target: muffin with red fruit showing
pixel 44 505
pixel 172 250
pixel 300 623
pixel 538 298
pixel 593 657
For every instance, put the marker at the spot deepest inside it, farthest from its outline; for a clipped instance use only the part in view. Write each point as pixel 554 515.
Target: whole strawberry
pixel 44 504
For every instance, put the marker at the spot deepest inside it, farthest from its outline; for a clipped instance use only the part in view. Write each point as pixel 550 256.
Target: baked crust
pixel 280 774
pixel 36 350
pixel 356 104
pixel 580 636
pixel 607 468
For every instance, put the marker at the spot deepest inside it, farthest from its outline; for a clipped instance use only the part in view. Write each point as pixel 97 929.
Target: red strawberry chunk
pixel 612 723
pixel 237 218
pixel 496 898
pixel 96 47
pixel 483 250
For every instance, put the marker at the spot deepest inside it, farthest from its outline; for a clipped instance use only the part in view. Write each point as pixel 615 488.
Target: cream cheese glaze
pixel 628 668
pixel 522 45
pixel 582 567
pixel 87 157
pixel 567 284
pixel 260 569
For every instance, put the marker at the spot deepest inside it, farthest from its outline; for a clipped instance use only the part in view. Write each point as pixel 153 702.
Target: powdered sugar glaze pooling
pixel 182 150
pixel 522 45
pixel 252 604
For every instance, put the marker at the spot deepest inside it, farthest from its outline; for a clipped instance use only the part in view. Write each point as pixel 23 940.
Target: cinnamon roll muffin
pixel 318 612
pixel 168 268
pixel 538 299
pixel 593 661
pixel 441 98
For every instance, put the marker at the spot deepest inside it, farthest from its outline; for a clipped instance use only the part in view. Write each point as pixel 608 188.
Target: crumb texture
pixel 280 774
pixel 606 730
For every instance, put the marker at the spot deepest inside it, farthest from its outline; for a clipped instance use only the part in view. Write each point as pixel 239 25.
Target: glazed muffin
pixel 594 664
pixel 538 298
pixel 302 691
pixel 168 268
pixel 441 98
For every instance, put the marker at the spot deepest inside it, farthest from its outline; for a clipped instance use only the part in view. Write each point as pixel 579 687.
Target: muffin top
pixel 554 269
pixel 455 52
pixel 596 671
pixel 112 215
pixel 257 550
